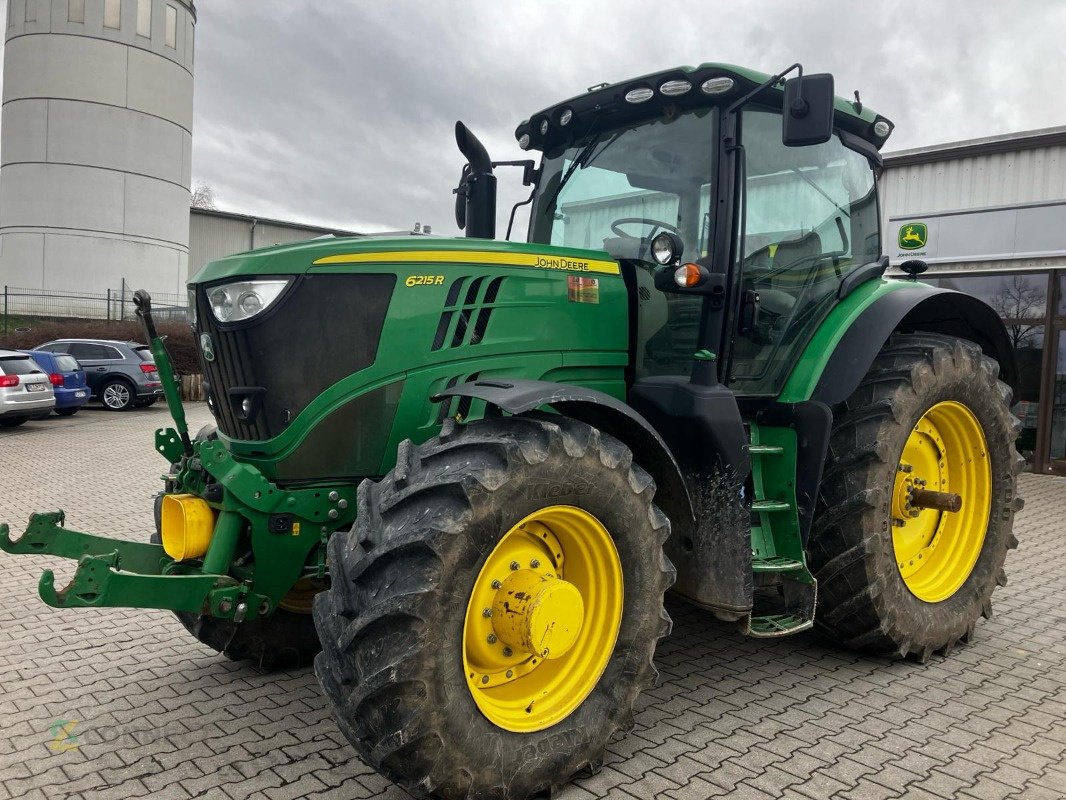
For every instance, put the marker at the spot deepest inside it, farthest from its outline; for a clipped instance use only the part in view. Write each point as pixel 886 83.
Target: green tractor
pixel 459 475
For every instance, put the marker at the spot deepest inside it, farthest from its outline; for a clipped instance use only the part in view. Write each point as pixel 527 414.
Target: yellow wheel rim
pixel 542 619
pixel 936 550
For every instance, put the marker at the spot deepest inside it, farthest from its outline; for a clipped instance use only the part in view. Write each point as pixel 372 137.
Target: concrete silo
pixel 96 144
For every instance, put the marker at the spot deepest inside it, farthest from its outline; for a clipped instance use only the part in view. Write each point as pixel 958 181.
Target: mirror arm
pixel 773 80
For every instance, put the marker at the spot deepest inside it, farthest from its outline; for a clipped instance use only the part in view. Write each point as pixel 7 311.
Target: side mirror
pixel 461 192
pixel 807 115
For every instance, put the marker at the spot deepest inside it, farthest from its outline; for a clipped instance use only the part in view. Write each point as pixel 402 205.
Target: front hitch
pixel 113 572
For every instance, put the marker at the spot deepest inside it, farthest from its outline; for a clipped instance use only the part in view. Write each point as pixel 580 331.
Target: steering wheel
pixel 656 224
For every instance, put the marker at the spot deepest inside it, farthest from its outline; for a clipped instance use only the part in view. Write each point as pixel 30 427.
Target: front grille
pixel 321 330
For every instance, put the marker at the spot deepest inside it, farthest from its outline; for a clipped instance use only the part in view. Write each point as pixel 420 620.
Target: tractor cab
pixel 704 166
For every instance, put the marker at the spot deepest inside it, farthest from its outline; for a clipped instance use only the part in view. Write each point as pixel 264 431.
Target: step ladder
pixel 777 555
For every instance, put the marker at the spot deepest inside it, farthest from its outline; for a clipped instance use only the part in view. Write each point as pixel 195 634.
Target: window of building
pixel 1021 301
pixel 11 14
pixel 144 18
pixel 76 11
pixel 31 10
pixel 172 27
pixel 113 14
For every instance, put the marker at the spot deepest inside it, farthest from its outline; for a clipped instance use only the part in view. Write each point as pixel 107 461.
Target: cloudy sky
pixel 341 113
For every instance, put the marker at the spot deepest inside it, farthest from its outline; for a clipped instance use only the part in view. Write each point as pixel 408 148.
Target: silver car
pixel 25 389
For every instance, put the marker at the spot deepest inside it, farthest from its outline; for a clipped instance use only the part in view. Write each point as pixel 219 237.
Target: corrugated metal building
pixel 215 234
pixel 989 217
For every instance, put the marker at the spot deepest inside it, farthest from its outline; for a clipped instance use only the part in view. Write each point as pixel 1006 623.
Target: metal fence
pixel 19 304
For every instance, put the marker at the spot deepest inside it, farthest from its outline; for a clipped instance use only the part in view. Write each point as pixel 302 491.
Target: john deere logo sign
pixel 913 236
pixel 207 347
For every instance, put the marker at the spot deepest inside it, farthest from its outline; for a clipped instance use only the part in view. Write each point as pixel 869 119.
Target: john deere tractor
pixel 459 475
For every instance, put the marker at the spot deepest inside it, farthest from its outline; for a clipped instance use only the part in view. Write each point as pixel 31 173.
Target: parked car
pixel 67 377
pixel 121 375
pixel 25 390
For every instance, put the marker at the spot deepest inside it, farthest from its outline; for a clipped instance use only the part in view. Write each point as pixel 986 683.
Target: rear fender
pixel 910 308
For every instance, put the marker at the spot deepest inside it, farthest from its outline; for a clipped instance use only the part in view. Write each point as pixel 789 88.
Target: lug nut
pixel 486 612
pixel 515 565
pixel 507 652
pixel 510 673
pixel 534 563
pixel 342 504
pixel 491 638
pixel 333 497
pixel 905 467
pixel 496 584
pixel 332 513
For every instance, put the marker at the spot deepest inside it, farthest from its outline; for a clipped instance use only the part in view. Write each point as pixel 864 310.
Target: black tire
pixel 67 412
pixel 12 422
pixel 118 394
pixel 392 622
pixel 286 639
pixel 863 602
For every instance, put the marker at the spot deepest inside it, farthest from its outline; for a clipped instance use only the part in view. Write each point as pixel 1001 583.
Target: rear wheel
pixel 917 500
pixel 117 395
pixel 495 608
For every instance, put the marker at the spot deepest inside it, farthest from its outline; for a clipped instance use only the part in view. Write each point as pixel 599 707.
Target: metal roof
pixel 968 148
pixel 214 212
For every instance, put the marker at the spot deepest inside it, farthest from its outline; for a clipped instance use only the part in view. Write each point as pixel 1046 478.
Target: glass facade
pixel 1033 308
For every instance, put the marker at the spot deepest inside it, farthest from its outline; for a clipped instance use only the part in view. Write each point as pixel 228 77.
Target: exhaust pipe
pixel 475 201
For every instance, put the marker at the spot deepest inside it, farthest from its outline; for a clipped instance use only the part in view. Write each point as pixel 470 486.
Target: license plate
pixel 79 394
pixel 34 387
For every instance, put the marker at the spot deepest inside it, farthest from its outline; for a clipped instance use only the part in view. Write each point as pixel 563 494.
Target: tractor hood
pixel 313 353
pixel 319 255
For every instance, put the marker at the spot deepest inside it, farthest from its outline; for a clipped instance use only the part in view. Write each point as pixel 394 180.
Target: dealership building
pixel 989 217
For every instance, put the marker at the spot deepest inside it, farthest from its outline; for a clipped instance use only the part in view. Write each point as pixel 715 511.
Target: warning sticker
pixel 582 290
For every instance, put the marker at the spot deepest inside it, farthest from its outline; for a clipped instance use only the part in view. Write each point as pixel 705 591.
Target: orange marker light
pixel 688 275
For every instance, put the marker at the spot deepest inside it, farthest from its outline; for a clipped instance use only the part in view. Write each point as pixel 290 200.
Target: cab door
pixel 809 217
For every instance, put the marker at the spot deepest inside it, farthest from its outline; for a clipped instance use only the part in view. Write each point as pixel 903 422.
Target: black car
pixel 121 374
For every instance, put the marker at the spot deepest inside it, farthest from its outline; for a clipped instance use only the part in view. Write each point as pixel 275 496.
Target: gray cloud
pixel 341 113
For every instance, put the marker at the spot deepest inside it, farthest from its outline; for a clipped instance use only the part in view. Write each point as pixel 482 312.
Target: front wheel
pixel 494 610
pixel 917 500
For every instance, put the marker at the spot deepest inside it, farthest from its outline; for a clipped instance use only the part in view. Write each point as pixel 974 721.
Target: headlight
pixel 234 302
pixel 666 248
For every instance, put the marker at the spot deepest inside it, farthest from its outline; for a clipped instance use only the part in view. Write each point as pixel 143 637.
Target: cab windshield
pixel 616 189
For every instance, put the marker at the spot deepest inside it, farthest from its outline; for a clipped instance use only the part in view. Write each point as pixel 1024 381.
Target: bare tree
pixel 203 196
pixel 1017 301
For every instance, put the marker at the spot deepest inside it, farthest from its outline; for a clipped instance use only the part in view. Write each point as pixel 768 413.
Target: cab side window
pixel 810 218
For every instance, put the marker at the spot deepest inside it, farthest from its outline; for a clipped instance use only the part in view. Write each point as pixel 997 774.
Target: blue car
pixel 67 377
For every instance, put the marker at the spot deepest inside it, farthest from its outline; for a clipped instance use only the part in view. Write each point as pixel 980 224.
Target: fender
pixel 601 411
pixel 905 307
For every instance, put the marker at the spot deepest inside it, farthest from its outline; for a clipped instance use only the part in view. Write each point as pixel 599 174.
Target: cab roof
pixel 606 106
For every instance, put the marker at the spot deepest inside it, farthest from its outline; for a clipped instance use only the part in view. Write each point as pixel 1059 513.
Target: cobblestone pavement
pixel 120 703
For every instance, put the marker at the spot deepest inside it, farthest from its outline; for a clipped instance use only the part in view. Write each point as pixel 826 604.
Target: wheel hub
pixel 537 614
pixel 542 619
pixel 940 501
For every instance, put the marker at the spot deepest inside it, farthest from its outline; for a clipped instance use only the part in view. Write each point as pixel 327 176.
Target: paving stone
pixel 162 717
